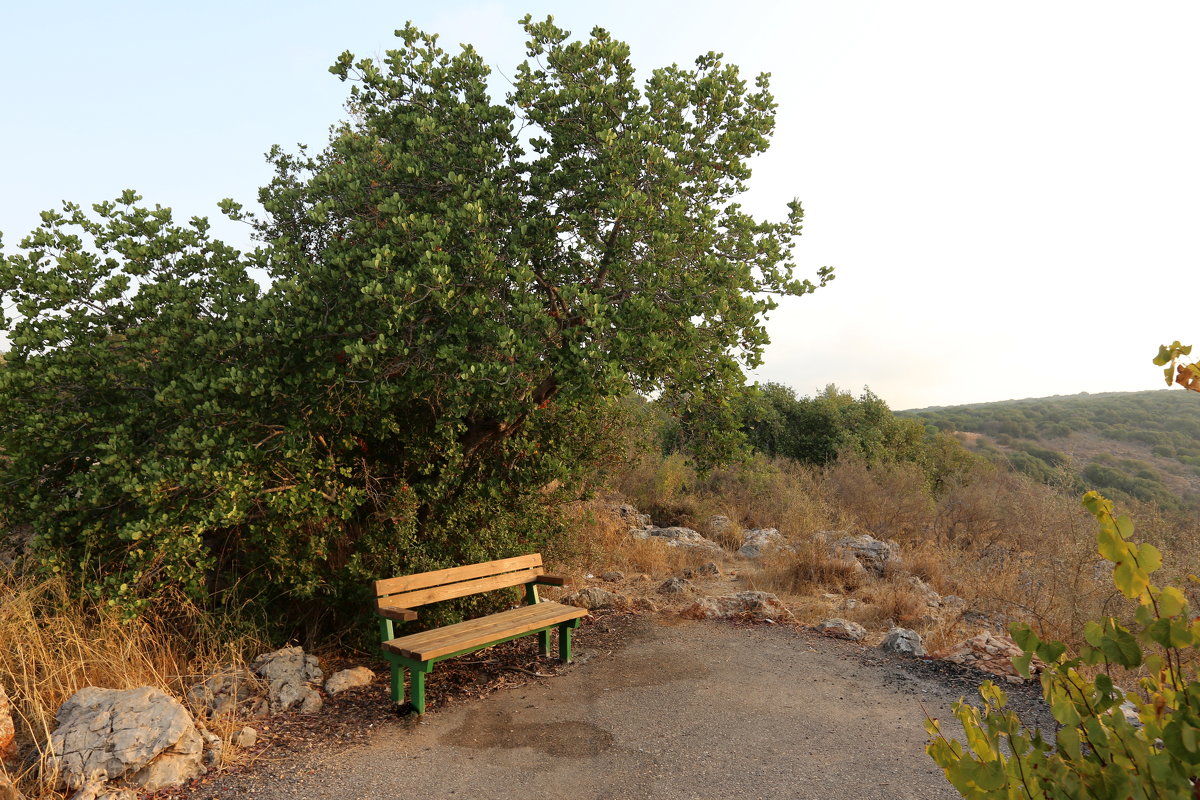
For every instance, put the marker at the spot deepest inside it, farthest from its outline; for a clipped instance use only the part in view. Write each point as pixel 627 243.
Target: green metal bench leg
pixel 418 689
pixel 564 640
pixel 397 678
pixel 544 642
pixel 397 684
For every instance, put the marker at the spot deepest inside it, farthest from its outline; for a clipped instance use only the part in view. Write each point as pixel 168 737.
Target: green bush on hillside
pixel 816 430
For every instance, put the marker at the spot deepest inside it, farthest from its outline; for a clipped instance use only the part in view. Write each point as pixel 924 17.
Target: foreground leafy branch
pixel 1186 375
pixel 1098 752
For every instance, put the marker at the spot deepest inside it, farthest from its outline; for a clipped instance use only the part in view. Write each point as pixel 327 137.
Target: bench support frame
pixel 417 670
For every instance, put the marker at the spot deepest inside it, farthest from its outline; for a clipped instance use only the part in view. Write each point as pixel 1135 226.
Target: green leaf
pixel 1171 601
pixel 1130 579
pixel 1119 646
pixel 1149 558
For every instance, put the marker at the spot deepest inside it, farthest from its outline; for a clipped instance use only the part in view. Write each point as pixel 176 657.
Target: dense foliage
pixel 816 430
pixel 460 292
pixel 1098 751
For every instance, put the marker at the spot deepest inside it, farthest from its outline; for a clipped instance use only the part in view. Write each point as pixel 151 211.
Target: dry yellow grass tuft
pixel 53 644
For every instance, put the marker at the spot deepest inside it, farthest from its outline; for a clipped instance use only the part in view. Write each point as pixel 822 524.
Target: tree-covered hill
pixel 1137 444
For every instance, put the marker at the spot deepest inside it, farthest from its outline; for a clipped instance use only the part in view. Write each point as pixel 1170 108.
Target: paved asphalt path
pixel 686 710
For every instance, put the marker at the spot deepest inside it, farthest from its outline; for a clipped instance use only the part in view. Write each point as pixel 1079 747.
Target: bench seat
pixel 397 598
pixel 476 633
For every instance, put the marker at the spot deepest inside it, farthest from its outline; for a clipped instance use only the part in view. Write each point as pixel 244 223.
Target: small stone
pixel 645 604
pixel 676 586
pixel 612 576
pixel 903 640
pixel 347 679
pixel 291 672
pixel 758 542
pixel 245 738
pixel 842 629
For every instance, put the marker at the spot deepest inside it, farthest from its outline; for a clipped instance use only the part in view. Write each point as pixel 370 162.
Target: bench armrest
pixel 396 613
pixel 551 580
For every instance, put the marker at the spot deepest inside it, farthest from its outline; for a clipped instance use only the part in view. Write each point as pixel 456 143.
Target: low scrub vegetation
pixel 1073 442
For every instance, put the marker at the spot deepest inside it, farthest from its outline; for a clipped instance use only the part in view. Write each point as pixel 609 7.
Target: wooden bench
pixel 417 653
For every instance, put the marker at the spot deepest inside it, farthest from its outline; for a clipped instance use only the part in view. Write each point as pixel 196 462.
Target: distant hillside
pixel 1126 444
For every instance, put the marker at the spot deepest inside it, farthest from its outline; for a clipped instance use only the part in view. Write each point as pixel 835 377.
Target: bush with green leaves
pixel 460 291
pixel 1098 752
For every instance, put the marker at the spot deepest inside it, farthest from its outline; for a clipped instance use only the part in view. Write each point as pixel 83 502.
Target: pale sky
pixel 1009 191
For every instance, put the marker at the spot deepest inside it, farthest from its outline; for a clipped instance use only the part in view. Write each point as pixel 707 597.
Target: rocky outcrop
pixel 757 605
pixel 990 653
pixel 97 788
pixel 903 640
pixel 347 679
pixel 290 674
pixel 594 597
pixel 758 542
pixel 874 555
pixel 631 516
pixel 718 525
pixel 678 537
pixel 139 736
pixel 228 691
pixel 840 628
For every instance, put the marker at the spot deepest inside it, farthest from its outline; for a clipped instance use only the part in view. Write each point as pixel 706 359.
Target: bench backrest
pixel 410 591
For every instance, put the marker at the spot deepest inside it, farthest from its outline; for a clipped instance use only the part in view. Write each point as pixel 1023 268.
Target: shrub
pixel 461 293
pixel 1098 752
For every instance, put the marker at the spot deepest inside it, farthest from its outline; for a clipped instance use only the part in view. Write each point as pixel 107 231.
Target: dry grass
pixel 600 541
pixel 1012 549
pixel 53 644
pixel 808 568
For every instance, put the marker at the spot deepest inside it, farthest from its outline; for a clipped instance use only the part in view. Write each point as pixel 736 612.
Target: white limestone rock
pixel 346 679
pixel 139 736
pixel 840 628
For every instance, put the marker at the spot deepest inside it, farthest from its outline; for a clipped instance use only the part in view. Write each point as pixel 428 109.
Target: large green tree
pixel 460 291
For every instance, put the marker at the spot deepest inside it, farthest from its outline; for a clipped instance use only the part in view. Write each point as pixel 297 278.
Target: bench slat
pixel 440 577
pixel 478 632
pixel 493 624
pixel 420 597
